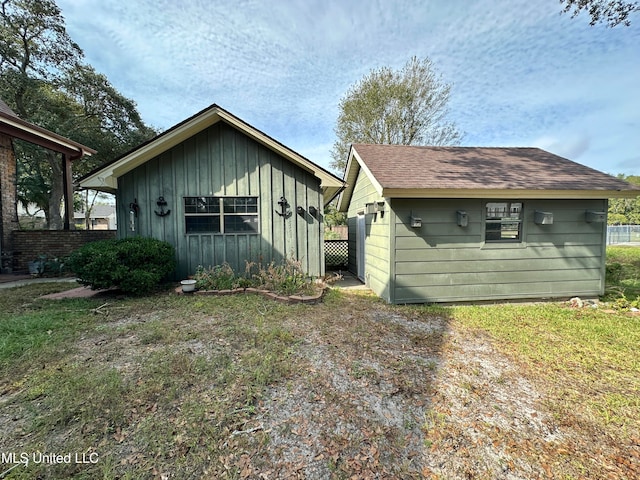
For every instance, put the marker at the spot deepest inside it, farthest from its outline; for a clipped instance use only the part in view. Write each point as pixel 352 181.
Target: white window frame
pixel 217 208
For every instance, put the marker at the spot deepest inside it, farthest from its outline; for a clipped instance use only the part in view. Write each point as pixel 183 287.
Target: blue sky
pixel 522 73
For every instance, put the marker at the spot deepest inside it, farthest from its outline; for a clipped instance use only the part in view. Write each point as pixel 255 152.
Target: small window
pixel 221 214
pixel 504 222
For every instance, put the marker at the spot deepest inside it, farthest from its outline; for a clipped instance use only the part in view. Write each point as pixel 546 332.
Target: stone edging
pixel 288 299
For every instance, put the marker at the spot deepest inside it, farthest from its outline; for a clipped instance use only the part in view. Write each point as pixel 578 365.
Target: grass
pixel 623 272
pixel 180 386
pixel 586 358
pixel 134 385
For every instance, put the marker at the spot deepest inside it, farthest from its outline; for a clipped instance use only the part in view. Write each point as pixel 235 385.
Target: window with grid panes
pixel 222 215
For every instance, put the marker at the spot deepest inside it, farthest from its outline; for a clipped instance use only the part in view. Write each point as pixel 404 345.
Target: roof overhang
pixel 106 178
pixel 355 164
pixel 515 193
pixel 17 128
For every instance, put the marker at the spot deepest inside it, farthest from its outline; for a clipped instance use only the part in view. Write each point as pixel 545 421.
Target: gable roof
pixel 105 178
pixel 476 172
pixel 14 126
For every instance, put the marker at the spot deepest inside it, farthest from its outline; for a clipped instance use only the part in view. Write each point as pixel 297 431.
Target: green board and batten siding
pixel 443 262
pixel 377 237
pixel 222 161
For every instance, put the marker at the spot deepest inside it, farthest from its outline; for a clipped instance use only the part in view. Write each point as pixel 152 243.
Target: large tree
pixel 406 107
pixel 611 12
pixel 44 79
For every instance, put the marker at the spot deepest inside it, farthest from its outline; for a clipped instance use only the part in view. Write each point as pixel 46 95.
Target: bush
pixel 135 265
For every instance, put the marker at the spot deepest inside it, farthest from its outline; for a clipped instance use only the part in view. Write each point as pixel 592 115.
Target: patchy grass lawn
pixel 175 386
pixel 623 272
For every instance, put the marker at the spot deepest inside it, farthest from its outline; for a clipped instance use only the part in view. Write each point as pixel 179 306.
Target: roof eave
pixel 354 164
pixel 507 193
pixel 108 175
pixel 27 131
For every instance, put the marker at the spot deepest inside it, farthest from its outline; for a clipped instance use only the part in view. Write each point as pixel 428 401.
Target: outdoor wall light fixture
pixel 463 218
pixel 543 218
pixel 416 222
pixel 313 211
pixel 300 210
pixel 595 217
pixel 134 208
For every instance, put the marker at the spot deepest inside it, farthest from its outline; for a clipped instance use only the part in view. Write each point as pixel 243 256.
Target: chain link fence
pixel 623 234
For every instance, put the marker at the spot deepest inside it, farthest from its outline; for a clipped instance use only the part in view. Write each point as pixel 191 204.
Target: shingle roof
pixel 12 125
pixel 4 108
pixel 466 172
pixel 415 167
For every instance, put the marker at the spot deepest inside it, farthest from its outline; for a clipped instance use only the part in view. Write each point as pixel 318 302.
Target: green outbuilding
pixel 461 224
pixel 221 191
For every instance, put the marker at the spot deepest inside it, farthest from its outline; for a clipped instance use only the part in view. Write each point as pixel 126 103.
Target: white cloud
pixel 522 72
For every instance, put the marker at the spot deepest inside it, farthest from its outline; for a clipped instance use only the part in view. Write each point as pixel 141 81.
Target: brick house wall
pixel 8 195
pixel 29 244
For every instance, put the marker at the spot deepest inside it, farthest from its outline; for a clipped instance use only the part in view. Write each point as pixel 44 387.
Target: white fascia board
pixel 326 179
pixel 508 193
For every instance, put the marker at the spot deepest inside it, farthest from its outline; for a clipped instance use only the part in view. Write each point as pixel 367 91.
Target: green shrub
pixel 135 265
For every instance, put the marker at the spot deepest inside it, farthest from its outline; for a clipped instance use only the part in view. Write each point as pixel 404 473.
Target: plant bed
pixel 287 299
pixel 284 282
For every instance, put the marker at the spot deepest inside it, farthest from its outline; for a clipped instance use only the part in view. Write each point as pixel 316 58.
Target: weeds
pixel 286 278
pixel 623 275
pixel 158 392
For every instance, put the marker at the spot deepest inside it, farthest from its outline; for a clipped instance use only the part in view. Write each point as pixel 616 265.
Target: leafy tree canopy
pixel 44 79
pixel 611 12
pixel 406 106
pixel 625 211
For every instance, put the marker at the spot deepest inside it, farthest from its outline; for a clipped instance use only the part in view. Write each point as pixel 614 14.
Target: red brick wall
pixel 8 215
pixel 28 244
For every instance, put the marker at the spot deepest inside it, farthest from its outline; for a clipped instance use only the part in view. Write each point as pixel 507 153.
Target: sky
pixel 522 73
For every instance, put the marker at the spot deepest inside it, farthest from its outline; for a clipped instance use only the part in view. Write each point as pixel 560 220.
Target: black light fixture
pixel 313 211
pixel 134 208
pixel 300 210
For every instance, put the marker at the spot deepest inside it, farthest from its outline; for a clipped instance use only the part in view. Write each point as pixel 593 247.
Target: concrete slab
pixel 13 280
pixel 80 292
pixel 348 281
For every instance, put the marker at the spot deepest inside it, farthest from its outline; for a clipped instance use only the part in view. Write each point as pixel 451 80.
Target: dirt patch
pixel 398 395
pixel 375 391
